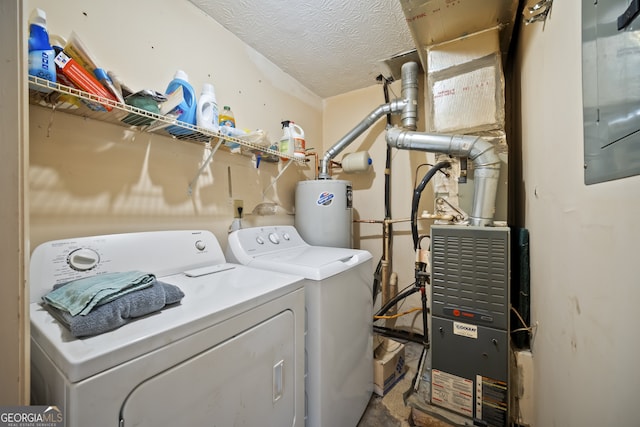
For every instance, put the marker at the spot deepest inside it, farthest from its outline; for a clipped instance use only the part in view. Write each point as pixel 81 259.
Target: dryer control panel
pixel 158 252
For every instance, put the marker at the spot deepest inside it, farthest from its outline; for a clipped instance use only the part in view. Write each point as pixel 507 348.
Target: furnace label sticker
pixel 491 400
pixel 465 330
pixel 452 392
pixel 325 198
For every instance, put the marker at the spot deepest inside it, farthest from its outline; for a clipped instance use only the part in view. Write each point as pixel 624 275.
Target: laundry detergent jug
pixel 188 105
pixel 297 134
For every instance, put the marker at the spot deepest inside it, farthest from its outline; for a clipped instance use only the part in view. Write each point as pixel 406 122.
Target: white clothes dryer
pixel 231 353
pixel 338 298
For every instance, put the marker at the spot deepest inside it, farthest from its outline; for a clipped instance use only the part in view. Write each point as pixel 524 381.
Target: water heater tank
pixel 324 212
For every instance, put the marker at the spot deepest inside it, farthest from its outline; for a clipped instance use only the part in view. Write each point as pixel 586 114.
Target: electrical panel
pixel 611 89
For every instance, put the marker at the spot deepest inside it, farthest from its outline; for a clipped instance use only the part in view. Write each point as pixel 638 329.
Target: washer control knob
pixel 260 240
pixel 83 259
pixel 286 236
pixel 200 245
pixel 273 237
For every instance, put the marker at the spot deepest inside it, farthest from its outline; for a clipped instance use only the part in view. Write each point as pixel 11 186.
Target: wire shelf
pixel 55 96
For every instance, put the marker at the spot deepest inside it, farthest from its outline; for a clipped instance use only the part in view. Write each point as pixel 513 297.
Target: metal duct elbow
pixel 481 152
pixel 407 106
pixel 351 136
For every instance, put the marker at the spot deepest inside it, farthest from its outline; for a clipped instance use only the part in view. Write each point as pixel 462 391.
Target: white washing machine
pixel 338 295
pixel 231 353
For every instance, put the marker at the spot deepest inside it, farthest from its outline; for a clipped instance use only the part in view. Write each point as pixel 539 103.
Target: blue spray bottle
pixel 41 54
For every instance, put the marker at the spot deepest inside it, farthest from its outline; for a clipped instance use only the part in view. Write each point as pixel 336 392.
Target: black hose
pixel 393 301
pixel 387 182
pixel 387 165
pixel 415 201
pixel 376 281
pixel 387 191
pixel 399 334
pixel 425 326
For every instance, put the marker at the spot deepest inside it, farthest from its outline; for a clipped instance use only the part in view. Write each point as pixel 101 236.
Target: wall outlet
pixel 237 208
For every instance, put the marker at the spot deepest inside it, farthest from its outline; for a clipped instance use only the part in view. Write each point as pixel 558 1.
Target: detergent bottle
pixel 285 145
pixel 227 123
pixel 227 118
pixel 188 105
pixel 207 113
pixel 298 140
pixel 41 54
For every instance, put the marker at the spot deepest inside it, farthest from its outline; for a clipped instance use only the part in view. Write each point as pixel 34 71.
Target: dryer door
pixel 246 380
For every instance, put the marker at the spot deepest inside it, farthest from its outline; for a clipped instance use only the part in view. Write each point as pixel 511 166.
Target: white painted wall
pixel 583 242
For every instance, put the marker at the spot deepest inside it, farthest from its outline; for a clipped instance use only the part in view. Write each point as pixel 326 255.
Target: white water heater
pixel 324 212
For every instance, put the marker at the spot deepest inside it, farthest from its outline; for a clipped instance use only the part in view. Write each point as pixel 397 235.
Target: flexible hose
pixel 415 201
pixel 393 301
pixel 376 281
pixel 399 334
pixel 387 165
pixel 387 192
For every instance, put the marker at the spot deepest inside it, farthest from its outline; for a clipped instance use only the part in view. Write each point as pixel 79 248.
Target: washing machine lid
pixel 209 299
pixel 311 262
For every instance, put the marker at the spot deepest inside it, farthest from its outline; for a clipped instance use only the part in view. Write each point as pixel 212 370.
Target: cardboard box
pixel 82 79
pixel 388 364
pixel 436 21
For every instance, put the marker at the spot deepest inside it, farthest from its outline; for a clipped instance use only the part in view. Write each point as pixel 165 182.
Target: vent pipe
pixel 407 107
pixel 481 152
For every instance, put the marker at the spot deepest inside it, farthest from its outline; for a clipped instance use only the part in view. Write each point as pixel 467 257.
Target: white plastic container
pixel 360 161
pixel 207 113
pixel 297 133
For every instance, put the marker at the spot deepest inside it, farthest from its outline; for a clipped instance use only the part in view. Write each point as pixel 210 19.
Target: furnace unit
pixel 470 322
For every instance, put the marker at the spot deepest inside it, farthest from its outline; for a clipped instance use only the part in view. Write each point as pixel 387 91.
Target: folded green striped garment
pixel 82 295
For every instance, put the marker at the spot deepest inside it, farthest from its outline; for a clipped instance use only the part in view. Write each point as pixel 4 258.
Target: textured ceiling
pixel 330 46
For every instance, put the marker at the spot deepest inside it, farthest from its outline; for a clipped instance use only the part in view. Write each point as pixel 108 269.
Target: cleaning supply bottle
pixel 298 140
pixel 63 100
pixel 227 122
pixel 285 146
pixel 188 105
pixel 207 113
pixel 226 117
pixel 41 54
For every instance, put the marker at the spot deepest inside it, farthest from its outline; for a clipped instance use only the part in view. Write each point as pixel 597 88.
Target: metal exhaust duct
pixel 407 106
pixel 481 152
pixel 478 150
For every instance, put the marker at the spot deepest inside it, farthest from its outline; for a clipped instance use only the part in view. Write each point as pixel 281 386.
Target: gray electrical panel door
pixel 611 89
